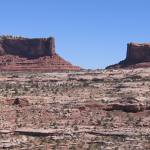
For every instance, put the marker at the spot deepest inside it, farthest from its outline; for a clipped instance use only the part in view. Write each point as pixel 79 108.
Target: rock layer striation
pixel 37 54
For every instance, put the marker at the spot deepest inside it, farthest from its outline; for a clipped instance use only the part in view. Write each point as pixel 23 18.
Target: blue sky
pixel 89 33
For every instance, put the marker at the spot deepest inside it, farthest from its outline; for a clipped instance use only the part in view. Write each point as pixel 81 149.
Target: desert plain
pixel 83 110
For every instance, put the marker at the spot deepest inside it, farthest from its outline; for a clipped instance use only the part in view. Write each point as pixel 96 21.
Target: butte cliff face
pixel 138 55
pixel 37 54
pixel 29 48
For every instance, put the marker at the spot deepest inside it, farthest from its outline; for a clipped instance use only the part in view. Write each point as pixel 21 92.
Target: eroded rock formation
pixel 138 55
pixel 37 54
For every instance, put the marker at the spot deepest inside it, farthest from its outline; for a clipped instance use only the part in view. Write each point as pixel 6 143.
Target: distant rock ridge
pixel 31 54
pixel 138 55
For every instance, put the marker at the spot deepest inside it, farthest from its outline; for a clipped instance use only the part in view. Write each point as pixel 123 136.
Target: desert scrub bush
pixel 54 125
pixel 120 138
pixel 16 91
pixel 130 119
pixel 76 128
pixel 85 84
pixel 15 76
pixel 99 122
pixel 135 77
pixel 25 88
pixel 96 146
pixel 8 86
pixel 98 80
pixel 138 122
pixel 72 147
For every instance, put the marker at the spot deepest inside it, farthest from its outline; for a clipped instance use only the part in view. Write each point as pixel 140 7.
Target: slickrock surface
pixel 138 56
pixel 94 110
pixel 37 54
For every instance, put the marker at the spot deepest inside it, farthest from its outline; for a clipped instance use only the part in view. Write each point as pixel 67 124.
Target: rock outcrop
pixel 138 55
pixel 37 54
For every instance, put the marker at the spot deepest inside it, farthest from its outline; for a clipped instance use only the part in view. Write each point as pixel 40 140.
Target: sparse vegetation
pixel 76 109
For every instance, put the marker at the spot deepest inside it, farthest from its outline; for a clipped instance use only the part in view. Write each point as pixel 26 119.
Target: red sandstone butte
pixel 138 56
pixel 36 54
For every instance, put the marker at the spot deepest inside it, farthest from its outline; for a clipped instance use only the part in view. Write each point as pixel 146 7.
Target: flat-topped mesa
pixel 138 55
pixel 36 54
pixel 25 47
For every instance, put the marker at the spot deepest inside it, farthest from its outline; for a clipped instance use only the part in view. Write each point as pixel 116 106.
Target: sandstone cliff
pixel 138 55
pixel 29 48
pixel 37 54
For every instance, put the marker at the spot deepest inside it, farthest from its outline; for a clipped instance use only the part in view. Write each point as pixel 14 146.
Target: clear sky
pixel 89 33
